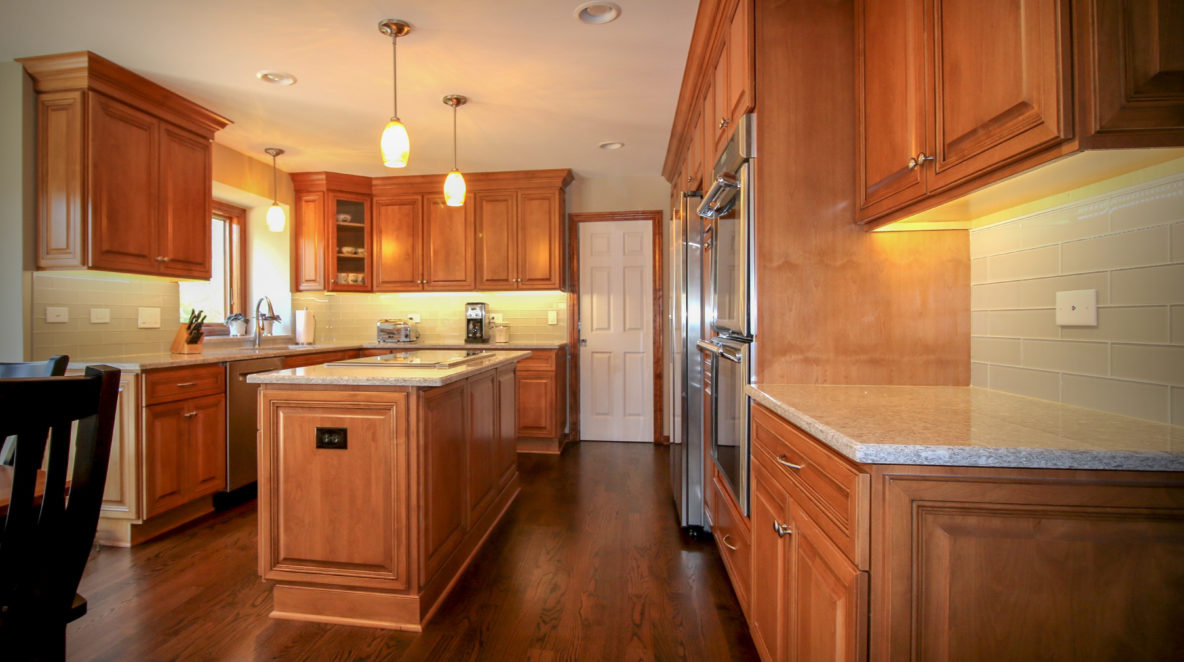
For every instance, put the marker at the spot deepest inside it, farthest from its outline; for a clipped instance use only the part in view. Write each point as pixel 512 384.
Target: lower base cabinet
pixel 542 401
pixel 184 451
pixel 959 563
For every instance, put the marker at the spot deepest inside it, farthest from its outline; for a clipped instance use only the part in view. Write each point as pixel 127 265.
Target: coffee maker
pixel 476 325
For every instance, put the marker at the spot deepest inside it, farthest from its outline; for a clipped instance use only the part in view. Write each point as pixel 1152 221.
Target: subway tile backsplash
pixel 1129 246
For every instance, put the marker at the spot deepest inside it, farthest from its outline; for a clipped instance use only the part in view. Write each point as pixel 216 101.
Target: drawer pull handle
pixel 727 544
pixel 787 463
pixel 186 384
pixel 190 414
pixel 781 529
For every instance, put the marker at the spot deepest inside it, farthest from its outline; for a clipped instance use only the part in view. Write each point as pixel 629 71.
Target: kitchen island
pixel 378 484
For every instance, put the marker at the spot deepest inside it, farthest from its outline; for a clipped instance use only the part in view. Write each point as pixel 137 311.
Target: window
pixel 223 293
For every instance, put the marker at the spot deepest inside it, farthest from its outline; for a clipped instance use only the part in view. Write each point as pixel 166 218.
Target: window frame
pixel 235 218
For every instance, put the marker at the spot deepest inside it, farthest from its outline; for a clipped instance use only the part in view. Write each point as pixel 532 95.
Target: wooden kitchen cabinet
pixel 732 78
pixel 931 115
pixel 507 423
pixel 542 401
pixel 124 170
pixel 519 239
pixel 184 424
pixel 331 237
pixel 317 358
pixel 448 245
pixel 398 243
pixel 1070 565
pixel 733 538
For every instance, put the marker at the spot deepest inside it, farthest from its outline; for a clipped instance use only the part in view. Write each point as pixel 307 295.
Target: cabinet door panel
pixel 718 121
pixel 398 244
pixel 828 595
pixel 185 174
pixel 308 243
pixel 448 245
pixel 998 86
pixel 740 62
pixel 890 95
pixel 507 422
pixel 207 446
pixel 444 503
pixel 166 434
pixel 61 192
pixel 482 443
pixel 123 181
pixel 353 234
pixel 767 608
pixel 497 244
pixel 539 240
pixel 536 404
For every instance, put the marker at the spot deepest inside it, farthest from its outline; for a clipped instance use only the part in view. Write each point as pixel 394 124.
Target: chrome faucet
pixel 260 319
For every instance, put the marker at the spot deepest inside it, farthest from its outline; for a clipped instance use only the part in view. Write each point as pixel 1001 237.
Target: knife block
pixel 179 345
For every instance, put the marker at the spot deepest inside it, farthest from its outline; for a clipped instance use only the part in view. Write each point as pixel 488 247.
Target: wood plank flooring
pixel 589 564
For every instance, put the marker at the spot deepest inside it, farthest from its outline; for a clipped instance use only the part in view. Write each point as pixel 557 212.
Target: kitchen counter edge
pixel 338 375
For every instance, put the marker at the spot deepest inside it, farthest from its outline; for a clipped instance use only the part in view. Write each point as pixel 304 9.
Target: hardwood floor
pixel 588 565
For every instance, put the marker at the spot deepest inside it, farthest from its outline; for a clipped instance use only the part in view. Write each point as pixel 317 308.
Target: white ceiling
pixel 544 89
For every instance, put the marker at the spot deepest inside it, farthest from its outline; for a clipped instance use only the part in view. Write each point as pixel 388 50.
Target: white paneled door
pixel 616 331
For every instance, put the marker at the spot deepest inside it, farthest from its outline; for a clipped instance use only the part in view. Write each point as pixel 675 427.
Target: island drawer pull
pixel 725 543
pixel 190 414
pixel 784 462
pixel 781 529
pixel 186 384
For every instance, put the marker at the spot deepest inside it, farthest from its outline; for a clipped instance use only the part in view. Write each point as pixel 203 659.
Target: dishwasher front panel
pixel 242 420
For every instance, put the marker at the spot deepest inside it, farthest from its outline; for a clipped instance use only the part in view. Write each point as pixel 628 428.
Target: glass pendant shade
pixel 275 218
pixel 396 145
pixel 454 189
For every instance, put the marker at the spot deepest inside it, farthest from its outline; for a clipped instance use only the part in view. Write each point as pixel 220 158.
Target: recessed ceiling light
pixel 598 13
pixel 611 144
pixel 276 77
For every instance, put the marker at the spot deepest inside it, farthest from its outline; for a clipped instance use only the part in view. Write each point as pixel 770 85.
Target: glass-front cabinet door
pixel 349 244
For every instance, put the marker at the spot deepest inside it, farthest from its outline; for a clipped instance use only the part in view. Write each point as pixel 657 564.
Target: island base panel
pixel 323 604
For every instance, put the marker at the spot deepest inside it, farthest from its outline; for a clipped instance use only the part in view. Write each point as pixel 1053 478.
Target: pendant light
pixel 396 145
pixel 454 183
pixel 275 215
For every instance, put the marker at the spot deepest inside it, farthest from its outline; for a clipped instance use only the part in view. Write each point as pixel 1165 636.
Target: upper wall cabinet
pixel 942 99
pixel 507 236
pixel 331 233
pixel 953 95
pixel 731 82
pixel 124 170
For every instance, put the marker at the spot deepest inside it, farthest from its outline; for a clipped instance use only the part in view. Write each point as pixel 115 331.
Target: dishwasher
pixel 242 423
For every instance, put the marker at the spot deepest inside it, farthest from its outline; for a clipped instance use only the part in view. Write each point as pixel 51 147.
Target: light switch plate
pixel 413 317
pixel 1077 308
pixel 100 315
pixel 57 314
pixel 552 317
pixel 148 318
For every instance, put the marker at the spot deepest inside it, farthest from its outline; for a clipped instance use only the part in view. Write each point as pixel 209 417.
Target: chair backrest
pixel 55 366
pixel 44 548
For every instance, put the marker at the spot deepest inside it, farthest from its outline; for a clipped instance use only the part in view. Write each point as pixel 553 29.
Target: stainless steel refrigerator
pixel 686 449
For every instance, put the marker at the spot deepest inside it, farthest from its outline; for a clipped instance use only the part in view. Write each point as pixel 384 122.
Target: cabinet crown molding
pixel 84 70
pixel 476 181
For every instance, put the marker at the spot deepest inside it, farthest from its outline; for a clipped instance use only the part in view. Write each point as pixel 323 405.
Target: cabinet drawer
pixel 302 360
pixel 539 360
pixel 833 491
pixel 174 383
pixel 732 536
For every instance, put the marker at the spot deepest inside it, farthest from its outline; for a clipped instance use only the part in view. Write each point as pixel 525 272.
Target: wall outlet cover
pixel 148 318
pixel 57 314
pixel 1077 308
pixel 552 317
pixel 100 315
pixel 413 317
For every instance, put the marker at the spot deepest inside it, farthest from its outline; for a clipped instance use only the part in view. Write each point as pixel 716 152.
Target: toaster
pixel 394 331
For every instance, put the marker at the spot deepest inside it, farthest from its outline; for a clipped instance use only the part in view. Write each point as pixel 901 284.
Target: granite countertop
pixel 220 351
pixel 338 375
pixel 970 426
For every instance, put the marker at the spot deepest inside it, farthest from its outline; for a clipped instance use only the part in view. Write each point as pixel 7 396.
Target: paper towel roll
pixel 304 326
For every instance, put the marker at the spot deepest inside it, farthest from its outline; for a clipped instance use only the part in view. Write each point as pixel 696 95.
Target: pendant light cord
pixel 454 136
pixel 395 73
pixel 275 187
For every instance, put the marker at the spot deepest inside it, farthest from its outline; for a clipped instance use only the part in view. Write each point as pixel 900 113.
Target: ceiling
pixel 544 89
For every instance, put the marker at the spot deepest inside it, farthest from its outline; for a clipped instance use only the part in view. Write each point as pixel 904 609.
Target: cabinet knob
pixel 190 414
pixel 919 159
pixel 724 122
pixel 781 529
pixel 690 179
pixel 161 258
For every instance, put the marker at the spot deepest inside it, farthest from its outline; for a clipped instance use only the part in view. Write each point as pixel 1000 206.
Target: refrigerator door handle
pixel 720 198
pixel 710 348
pixel 730 354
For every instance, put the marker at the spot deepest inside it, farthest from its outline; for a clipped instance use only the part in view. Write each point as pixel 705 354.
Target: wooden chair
pixel 55 366
pixel 44 548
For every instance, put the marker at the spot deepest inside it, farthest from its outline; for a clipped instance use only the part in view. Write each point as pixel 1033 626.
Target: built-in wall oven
pixel 729 204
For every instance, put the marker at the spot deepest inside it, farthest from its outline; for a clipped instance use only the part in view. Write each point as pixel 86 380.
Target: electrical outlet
pixel 552 317
pixel 100 315
pixel 148 318
pixel 57 314
pixel 1077 308
pixel 413 317
pixel 496 318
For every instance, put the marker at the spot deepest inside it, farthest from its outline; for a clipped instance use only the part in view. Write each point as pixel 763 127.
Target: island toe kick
pixel 374 499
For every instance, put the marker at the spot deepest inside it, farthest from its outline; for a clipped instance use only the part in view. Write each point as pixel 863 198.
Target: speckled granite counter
pixel 220 351
pixel 969 426
pixel 339 375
